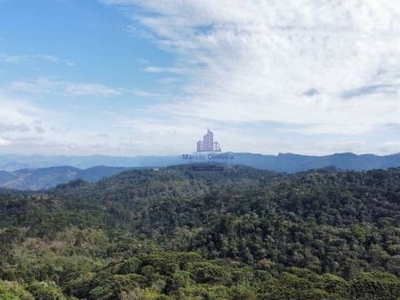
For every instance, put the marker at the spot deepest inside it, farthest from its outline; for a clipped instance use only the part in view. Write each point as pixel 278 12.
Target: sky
pixel 132 77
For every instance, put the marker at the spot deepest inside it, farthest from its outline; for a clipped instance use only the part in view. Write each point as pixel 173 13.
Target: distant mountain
pixel 16 162
pixel 291 163
pixel 44 178
pixel 41 172
pixel 283 162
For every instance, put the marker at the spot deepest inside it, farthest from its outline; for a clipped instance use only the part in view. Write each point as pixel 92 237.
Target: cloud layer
pixel 305 76
pixel 257 61
pixel 44 86
pixel 317 69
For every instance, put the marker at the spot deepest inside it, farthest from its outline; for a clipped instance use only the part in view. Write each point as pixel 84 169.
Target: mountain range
pixel 41 172
pixel 44 178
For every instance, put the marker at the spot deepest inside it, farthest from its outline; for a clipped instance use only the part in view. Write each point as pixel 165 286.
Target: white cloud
pixel 4 142
pixel 254 61
pixel 164 70
pixel 27 129
pixel 390 147
pixel 16 59
pixel 19 122
pixel 4 127
pixel 50 58
pixel 16 112
pixel 44 85
pixel 142 93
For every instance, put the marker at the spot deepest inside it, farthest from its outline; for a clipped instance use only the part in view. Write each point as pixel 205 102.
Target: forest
pixel 180 233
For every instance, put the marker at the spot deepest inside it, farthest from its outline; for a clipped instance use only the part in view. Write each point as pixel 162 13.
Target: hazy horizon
pixel 190 153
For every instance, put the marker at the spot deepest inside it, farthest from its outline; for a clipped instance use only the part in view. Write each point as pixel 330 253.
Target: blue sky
pixel 130 77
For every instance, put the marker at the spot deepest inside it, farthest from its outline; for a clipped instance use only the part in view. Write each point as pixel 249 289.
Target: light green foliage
pixel 46 291
pixel 11 290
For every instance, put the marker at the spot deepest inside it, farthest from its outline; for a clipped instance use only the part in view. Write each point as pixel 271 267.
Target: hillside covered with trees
pixel 177 233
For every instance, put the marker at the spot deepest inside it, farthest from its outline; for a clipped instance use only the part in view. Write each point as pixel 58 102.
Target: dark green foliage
pixel 180 234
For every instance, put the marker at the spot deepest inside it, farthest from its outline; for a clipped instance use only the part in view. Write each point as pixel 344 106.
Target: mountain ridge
pixel 43 172
pixel 11 162
pixel 45 178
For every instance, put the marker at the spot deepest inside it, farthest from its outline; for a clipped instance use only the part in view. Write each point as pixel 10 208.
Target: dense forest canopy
pixel 176 233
